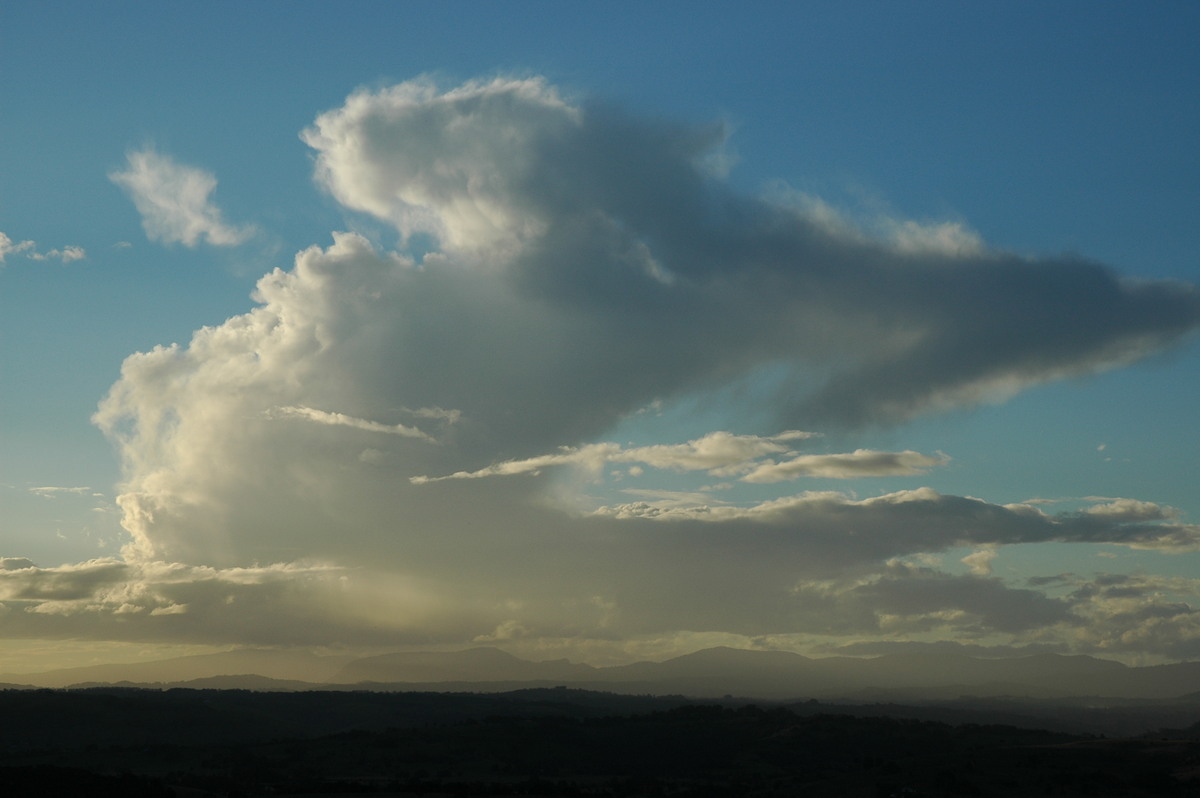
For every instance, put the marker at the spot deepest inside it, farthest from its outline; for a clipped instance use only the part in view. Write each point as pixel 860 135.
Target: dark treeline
pixel 545 742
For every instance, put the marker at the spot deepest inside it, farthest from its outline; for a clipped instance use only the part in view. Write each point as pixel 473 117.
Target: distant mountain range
pixel 300 666
pixel 711 672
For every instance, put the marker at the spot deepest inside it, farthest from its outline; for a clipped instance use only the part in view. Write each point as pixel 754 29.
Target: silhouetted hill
pixel 556 742
pixel 247 681
pixel 63 719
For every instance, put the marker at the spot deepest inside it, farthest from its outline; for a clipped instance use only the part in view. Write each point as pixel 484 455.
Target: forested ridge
pixel 546 742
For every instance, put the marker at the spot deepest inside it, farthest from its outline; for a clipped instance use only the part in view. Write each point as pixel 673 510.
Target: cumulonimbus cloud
pixel 586 264
pixel 175 201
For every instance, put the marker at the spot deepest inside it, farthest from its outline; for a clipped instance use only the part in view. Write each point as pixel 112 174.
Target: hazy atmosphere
pixel 600 331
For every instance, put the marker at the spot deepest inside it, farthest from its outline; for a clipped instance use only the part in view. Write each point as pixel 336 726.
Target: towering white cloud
pixel 175 201
pixel 586 265
pixel 452 164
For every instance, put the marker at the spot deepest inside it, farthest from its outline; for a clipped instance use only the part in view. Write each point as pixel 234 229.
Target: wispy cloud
pixel 912 521
pixel 717 453
pixel 721 454
pixel 343 420
pixel 859 463
pixel 175 201
pixel 49 491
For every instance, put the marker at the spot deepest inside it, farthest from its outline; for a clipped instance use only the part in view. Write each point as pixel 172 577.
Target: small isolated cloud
pixel 175 201
pixel 29 250
pixel 66 254
pixel 980 561
pixel 951 239
pixel 1132 510
pixel 8 247
pixel 372 456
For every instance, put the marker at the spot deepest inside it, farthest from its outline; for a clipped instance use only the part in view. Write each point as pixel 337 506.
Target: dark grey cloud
pixel 638 261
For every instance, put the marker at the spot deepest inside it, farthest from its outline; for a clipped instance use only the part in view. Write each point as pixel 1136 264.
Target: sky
pixel 599 331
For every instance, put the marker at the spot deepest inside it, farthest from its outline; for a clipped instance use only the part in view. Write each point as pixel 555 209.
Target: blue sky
pixel 912 145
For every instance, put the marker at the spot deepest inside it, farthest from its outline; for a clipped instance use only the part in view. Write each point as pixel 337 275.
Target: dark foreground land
pixel 203 743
